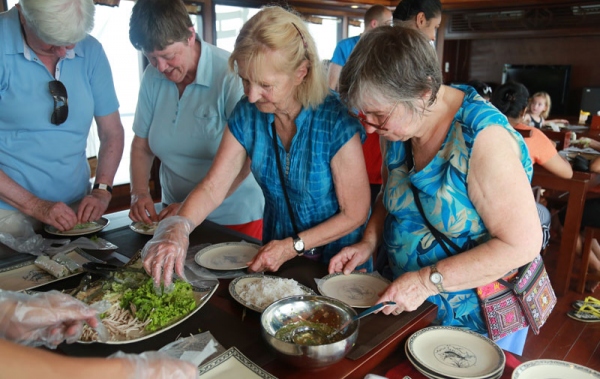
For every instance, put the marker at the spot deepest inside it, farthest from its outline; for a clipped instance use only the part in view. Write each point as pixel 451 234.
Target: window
pixel 229 23
pixel 355 27
pixel 324 31
pixel 111 28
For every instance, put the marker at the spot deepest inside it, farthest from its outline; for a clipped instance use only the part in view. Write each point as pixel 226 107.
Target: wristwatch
pixel 102 186
pixel 436 277
pixel 298 245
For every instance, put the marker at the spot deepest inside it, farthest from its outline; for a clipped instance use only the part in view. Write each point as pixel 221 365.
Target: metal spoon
pixel 321 338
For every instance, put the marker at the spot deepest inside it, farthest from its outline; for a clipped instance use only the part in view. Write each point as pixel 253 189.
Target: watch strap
pixel 103 186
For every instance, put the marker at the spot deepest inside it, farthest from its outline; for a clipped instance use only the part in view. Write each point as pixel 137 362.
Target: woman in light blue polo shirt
pixel 185 97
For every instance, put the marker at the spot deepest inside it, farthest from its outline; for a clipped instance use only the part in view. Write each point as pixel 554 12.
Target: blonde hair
pixel 546 97
pixel 275 29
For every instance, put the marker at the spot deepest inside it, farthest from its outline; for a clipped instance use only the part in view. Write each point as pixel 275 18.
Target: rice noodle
pixel 121 325
pixel 265 291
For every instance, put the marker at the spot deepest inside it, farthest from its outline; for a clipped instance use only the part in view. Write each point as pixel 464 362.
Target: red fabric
pixel 406 369
pixel 372 153
pixel 252 228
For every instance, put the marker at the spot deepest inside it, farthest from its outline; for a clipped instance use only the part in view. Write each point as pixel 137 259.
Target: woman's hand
pixel 46 318
pixel 168 211
pixel 408 291
pixel 167 250
pixel 142 208
pixel 351 257
pixel 272 255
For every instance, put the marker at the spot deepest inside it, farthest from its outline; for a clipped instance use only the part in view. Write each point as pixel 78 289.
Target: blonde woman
pixel 303 148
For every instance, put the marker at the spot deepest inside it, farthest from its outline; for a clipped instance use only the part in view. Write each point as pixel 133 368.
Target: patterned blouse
pixel 321 133
pixel 442 186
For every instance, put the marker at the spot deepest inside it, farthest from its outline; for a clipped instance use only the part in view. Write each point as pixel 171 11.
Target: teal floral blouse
pixel 442 187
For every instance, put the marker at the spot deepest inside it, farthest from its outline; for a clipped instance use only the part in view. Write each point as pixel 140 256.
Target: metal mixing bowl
pixel 320 309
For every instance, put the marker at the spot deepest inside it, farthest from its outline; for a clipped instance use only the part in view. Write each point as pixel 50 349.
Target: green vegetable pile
pixel 160 309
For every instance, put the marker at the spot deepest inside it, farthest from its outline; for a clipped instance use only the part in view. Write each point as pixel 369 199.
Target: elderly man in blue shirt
pixel 54 79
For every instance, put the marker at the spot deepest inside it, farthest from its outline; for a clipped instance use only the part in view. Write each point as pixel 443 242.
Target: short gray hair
pixel 59 22
pixel 392 62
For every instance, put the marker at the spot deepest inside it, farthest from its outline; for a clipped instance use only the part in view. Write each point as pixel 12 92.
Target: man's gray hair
pixel 59 22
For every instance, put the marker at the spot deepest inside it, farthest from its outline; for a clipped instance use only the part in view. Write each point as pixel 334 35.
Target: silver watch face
pixel 435 278
pixel 299 245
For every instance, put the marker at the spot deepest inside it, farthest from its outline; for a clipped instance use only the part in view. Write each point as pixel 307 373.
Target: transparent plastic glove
pixel 155 365
pixel 166 251
pixel 45 318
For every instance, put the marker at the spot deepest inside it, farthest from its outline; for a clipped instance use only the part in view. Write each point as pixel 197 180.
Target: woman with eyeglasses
pixel 458 155
pixel 304 150
pixel 54 81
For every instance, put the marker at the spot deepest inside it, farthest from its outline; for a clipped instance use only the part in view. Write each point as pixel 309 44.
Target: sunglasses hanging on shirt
pixel 61 103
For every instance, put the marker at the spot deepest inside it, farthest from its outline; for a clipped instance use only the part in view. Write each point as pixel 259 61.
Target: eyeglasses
pixel 61 103
pixel 363 119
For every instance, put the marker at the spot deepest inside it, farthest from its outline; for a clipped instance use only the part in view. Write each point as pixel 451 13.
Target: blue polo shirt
pixel 186 132
pixel 343 49
pixel 49 160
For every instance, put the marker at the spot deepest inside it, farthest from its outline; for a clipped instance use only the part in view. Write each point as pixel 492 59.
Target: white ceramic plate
pixel 143 228
pixel 232 364
pixel 227 256
pixel 550 368
pixel 97 226
pixel 235 287
pixel 359 290
pixel 432 375
pixel 456 353
pixel 201 295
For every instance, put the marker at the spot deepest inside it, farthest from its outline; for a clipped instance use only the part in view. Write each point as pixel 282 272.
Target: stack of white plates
pixel 550 368
pixel 443 352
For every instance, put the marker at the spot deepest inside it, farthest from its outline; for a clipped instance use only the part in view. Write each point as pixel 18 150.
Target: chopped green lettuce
pixel 162 309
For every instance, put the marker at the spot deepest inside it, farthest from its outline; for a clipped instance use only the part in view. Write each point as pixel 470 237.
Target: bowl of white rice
pixel 321 311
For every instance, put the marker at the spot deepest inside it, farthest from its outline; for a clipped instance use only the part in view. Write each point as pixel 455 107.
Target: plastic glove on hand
pixel 43 319
pixel 167 250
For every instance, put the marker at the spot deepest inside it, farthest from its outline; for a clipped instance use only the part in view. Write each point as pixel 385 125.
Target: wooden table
pixel 577 187
pixel 233 325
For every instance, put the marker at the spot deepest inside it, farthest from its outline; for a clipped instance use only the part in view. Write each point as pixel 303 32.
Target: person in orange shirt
pixel 511 99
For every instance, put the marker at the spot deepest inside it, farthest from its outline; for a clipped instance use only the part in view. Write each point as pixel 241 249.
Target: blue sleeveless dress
pixel 442 187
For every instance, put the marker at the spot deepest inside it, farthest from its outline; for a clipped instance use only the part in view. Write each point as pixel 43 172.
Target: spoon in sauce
pixel 318 337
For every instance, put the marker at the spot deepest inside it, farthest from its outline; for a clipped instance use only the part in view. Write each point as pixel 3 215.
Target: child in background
pixel 538 111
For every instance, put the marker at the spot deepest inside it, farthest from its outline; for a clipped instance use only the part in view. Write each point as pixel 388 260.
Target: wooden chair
pixel 590 233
